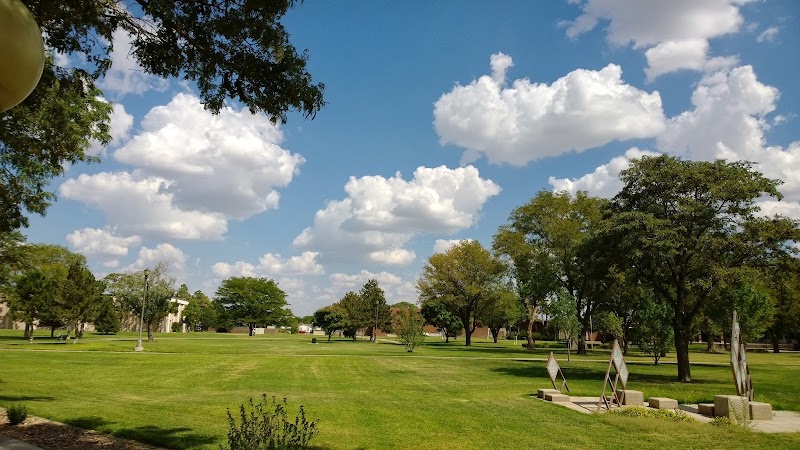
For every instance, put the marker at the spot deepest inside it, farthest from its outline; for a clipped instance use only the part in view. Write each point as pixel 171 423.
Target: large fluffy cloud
pixel 137 204
pixel 526 121
pixel 126 76
pixel 676 32
pixel 731 112
pixel 604 181
pixel 174 258
pixel 379 215
pixel 271 265
pixel 194 172
pixel 104 245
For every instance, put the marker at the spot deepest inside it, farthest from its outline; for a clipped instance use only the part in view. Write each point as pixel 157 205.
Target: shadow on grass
pixel 25 398
pixel 175 437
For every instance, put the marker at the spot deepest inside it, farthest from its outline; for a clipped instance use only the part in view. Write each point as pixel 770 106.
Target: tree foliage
pixel 409 326
pixel 231 49
pixel 532 271
pixel 556 228
pixel 654 333
pixel 48 131
pixel 373 297
pixel 200 312
pixel 330 319
pixel 437 314
pixel 129 291
pixel 108 320
pixel 463 280
pixel 253 301
pixel 684 226
pixel 564 318
pixel 33 291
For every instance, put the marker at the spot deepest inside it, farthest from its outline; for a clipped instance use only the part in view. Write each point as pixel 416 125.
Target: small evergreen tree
pixel 108 318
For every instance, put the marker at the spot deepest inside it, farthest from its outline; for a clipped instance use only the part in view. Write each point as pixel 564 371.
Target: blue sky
pixel 441 118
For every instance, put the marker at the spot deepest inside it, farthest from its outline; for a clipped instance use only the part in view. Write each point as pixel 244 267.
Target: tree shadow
pixel 176 437
pixel 25 398
pixel 88 423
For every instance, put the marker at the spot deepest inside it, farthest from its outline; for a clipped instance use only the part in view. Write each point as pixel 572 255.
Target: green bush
pixel 727 422
pixel 265 425
pixel 17 414
pixel 641 411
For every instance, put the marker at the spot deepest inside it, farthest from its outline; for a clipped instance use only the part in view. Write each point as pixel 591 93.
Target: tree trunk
pixel 776 347
pixel 531 342
pixel 682 352
pixel 494 334
pixel 252 329
pixel 446 336
pixel 329 337
pixel 53 331
pixel 150 336
pixel 28 331
pixel 582 345
pixel 624 345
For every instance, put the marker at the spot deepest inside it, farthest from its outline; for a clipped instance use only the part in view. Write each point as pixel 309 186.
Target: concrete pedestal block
pixel 706 409
pixel 662 403
pixel 760 411
pixel 557 398
pixel 731 406
pixel 630 397
pixel 542 392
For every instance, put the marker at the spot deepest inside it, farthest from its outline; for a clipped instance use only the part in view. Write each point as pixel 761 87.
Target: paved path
pixel 6 443
pixel 782 421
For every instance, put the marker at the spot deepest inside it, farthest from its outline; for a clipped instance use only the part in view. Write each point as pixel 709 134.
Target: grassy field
pixel 367 395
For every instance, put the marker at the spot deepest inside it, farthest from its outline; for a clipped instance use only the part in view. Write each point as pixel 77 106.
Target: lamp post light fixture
pixel 139 346
pixel 21 53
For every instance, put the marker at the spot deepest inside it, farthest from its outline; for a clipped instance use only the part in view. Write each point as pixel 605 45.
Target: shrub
pixel 641 411
pixel 727 422
pixel 264 425
pixel 17 414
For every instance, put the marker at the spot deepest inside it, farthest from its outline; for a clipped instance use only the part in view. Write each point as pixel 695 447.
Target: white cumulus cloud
pixel 671 30
pixel 604 181
pixel 148 258
pixel 380 215
pixel 102 244
pixel 126 76
pixel 193 172
pixel 526 121
pixel 270 265
pixel 443 245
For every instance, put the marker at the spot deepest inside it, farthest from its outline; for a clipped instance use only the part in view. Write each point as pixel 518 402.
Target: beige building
pixel 129 321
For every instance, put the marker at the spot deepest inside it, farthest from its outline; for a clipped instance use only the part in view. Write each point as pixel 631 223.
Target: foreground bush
pixel 265 426
pixel 641 411
pixel 17 414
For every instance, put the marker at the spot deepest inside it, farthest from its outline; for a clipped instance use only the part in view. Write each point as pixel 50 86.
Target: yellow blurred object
pixel 21 53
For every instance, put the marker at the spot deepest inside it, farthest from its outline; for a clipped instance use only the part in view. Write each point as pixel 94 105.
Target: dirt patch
pixel 50 435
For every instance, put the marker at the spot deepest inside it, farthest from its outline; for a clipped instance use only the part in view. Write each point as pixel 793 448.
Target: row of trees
pixel 671 255
pixel 50 286
pixel 364 311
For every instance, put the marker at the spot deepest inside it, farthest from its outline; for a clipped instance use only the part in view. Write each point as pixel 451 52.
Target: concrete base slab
pixel 732 406
pixel 556 398
pixel 760 411
pixel 631 398
pixel 542 392
pixel 706 409
pixel 662 403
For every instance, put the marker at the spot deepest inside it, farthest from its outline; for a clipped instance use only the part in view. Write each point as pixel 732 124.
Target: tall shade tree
pixel 784 285
pixel 129 291
pixel 560 225
pixel 685 226
pixel 532 271
pixel 253 301
pixel 463 280
pixel 374 298
pixel 199 313
pixel 236 50
pixel 231 49
pixel 42 136
pixel 12 250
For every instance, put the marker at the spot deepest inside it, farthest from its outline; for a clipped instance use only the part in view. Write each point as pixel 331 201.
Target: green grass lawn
pixel 367 395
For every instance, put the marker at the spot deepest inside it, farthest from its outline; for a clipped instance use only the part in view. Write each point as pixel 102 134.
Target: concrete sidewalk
pixel 6 443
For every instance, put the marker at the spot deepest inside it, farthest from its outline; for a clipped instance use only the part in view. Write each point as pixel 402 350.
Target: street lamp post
pixel 139 346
